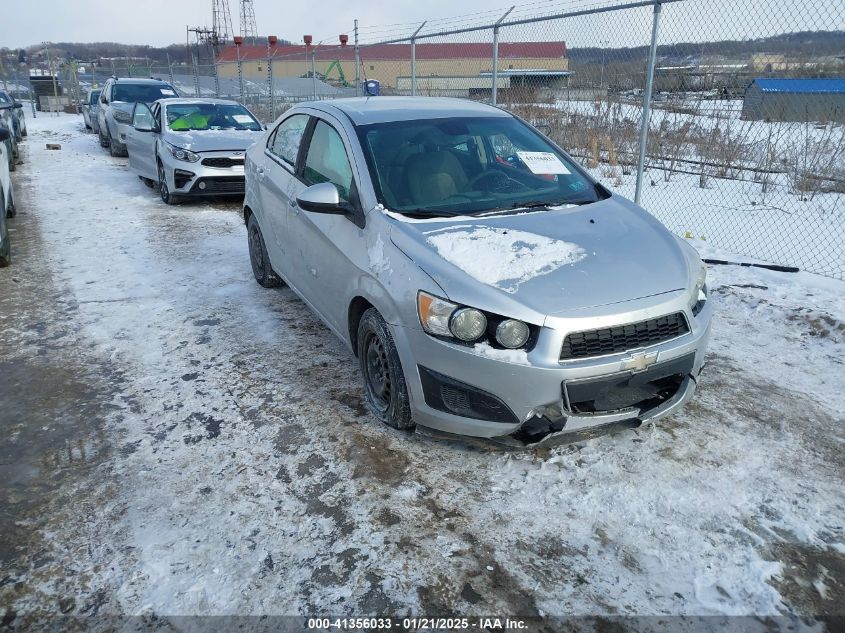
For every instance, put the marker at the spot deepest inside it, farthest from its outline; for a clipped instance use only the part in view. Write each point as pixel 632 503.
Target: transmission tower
pixel 221 23
pixel 249 30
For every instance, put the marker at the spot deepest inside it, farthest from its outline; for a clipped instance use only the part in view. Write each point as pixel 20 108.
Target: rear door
pixel 278 186
pixel 141 144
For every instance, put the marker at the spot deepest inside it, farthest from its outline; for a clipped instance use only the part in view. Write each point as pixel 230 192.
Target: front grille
pixel 222 162
pixel 621 338
pixel 225 184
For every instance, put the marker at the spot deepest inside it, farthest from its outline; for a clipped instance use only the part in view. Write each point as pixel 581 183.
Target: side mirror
pixel 323 198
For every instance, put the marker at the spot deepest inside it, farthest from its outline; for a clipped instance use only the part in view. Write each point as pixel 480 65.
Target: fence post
pixel 357 63
pixel 240 73
pixel 169 69
pixel 496 54
pixel 314 71
pixel 414 60
pixel 649 80
pixel 196 75
pixel 216 79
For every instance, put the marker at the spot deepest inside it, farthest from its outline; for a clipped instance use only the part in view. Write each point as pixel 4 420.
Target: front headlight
pixel 468 324
pixel 122 116
pixel 180 153
pixel 699 293
pixel 512 333
pixel 444 318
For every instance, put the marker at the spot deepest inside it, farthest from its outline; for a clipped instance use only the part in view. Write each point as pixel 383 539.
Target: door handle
pixel 260 172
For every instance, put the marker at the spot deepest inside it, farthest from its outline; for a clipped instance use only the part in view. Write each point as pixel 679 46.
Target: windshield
pixel 469 165
pixel 210 116
pixel 142 93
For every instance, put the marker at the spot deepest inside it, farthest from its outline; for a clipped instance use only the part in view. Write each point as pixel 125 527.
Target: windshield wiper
pixel 429 213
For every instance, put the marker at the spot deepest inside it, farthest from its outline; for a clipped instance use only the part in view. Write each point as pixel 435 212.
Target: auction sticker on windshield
pixel 168 92
pixel 543 163
pixel 242 118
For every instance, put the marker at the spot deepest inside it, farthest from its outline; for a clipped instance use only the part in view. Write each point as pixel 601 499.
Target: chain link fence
pixel 726 120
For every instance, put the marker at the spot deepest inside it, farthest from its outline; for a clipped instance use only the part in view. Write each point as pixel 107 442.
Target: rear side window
pixel 287 137
pixel 327 160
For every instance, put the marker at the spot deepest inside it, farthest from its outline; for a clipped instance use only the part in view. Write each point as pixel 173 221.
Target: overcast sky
pixel 162 22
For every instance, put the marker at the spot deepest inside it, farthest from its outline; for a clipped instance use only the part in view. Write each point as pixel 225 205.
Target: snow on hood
pixel 551 262
pixel 212 140
pixel 502 257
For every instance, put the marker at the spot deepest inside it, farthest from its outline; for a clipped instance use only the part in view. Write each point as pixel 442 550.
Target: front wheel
pixel 384 383
pixel 261 268
pixel 104 140
pixel 163 189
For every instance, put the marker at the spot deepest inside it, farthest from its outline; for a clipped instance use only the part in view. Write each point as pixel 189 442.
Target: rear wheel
pixel 384 382
pixel 12 210
pixel 261 268
pixel 5 244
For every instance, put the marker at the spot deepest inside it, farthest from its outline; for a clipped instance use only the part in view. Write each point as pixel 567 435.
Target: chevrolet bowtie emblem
pixel 639 362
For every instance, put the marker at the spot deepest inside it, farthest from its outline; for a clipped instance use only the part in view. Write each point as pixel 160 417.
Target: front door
pixel 331 248
pixel 141 142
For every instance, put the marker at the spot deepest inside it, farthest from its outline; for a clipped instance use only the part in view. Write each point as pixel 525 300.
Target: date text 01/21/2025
pixel 413 624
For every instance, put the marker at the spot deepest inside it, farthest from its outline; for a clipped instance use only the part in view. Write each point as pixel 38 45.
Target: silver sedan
pixel 487 284
pixel 191 147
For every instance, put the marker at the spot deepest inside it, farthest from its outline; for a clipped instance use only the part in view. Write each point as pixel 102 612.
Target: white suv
pixel 117 99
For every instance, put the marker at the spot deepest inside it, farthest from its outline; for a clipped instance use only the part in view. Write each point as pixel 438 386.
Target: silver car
pixel 191 147
pixel 487 284
pixel 89 111
pixel 7 199
pixel 117 98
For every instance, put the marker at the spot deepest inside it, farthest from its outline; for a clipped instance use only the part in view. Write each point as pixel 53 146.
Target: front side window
pixel 182 117
pixel 287 137
pixel 142 116
pixel 469 165
pixel 327 160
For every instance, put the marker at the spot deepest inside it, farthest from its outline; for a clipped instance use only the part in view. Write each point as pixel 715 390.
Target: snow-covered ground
pixel 182 441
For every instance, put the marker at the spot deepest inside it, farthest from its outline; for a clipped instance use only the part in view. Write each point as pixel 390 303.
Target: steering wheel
pixel 499 181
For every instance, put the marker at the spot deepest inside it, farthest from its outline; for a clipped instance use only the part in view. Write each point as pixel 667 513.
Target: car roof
pixel 366 110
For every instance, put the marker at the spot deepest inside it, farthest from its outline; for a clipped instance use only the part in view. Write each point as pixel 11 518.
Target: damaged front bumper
pixel 545 402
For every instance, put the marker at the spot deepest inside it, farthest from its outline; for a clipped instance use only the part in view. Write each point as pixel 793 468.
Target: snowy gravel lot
pixel 178 440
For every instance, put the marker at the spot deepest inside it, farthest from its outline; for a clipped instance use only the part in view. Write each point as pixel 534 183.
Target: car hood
pixel 213 140
pixel 549 261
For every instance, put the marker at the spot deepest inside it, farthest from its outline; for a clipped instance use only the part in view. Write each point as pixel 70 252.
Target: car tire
pixel 12 210
pixel 163 189
pixel 148 181
pixel 384 382
pixel 104 140
pixel 6 253
pixel 258 258
pixel 5 246
pixel 116 148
